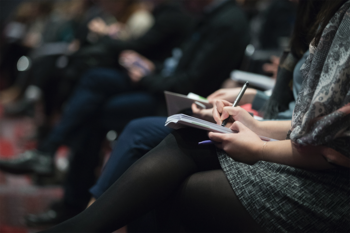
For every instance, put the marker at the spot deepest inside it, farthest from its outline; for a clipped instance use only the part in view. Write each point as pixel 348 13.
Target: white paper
pixel 257 80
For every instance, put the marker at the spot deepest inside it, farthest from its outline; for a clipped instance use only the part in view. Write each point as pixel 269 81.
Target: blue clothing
pixel 297 81
pixel 115 113
pixel 100 90
pixel 138 137
pixel 103 101
pixel 261 98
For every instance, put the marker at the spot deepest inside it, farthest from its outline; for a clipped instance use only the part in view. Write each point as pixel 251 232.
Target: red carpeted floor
pixel 21 194
pixel 18 194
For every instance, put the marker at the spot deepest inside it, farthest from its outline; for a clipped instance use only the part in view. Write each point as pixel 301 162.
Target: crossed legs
pixel 176 171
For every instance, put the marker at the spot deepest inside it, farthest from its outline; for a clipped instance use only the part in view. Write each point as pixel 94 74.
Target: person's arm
pixel 246 146
pixel 273 129
pixel 217 54
pixel 230 94
pixel 222 109
pixel 166 25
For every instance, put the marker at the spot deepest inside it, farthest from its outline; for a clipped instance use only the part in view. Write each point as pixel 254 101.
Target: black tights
pixel 177 171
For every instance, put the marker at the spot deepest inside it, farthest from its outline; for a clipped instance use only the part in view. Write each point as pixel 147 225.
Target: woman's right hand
pixel 223 109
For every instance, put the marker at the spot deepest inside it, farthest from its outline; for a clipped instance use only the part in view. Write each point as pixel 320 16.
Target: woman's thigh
pixel 207 203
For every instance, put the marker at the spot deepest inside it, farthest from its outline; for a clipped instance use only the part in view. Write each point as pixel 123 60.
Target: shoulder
pixel 171 13
pixel 167 9
pixel 230 15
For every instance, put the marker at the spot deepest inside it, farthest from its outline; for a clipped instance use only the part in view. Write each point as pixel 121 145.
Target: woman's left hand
pixel 244 146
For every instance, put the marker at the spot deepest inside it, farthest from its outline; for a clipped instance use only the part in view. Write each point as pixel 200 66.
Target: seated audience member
pixel 214 48
pixel 233 185
pixel 171 25
pixel 270 30
pixel 22 32
pixel 49 79
pixel 142 135
pixel 273 24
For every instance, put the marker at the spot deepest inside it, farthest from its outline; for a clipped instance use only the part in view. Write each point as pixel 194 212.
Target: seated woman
pixel 143 134
pixel 242 184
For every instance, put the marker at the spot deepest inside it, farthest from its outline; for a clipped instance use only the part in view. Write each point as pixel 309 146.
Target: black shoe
pixel 58 213
pixel 31 161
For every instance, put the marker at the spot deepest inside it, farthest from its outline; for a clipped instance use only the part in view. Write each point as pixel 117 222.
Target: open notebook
pixel 178 121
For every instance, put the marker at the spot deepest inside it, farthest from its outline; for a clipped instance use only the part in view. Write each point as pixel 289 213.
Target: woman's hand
pixel 244 146
pixel 230 94
pixel 223 109
pixel 205 114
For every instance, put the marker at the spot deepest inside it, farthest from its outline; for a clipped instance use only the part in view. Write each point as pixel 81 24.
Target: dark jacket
pixel 171 26
pixel 214 48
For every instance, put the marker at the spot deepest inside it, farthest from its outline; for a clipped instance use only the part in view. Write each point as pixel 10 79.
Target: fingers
pixel 215 95
pixel 127 58
pixel 230 111
pixel 238 126
pixel 135 74
pixel 195 109
pixel 217 137
pixel 218 110
pixel 275 60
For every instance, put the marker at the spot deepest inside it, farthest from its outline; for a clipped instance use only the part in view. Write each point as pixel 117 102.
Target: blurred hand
pixel 137 65
pixel 98 26
pixel 205 114
pixel 230 94
pixel 74 46
pixel 244 146
pixel 272 67
pixel 223 109
pixel 32 39
pixel 115 29
pixel 229 83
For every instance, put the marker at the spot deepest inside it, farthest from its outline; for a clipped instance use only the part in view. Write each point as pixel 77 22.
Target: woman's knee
pixel 207 199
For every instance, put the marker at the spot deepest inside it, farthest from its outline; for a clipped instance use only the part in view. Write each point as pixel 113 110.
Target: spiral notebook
pixel 178 121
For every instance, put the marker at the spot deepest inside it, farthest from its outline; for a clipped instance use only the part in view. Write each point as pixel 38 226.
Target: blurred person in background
pixel 68 29
pixel 171 26
pixel 21 33
pixel 214 47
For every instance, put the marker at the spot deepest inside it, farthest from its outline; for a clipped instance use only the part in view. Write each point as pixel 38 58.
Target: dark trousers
pixel 87 142
pixel 104 100
pixel 96 88
pixel 138 137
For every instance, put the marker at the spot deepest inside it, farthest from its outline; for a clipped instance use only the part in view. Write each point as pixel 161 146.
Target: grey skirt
pixel 286 199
